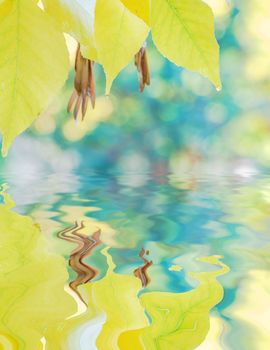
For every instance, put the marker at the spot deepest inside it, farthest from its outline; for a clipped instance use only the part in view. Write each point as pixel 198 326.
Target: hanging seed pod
pixel 141 62
pixel 84 86
pixel 91 83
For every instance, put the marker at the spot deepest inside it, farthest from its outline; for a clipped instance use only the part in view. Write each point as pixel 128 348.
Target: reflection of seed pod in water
pixel 141 272
pixel 86 245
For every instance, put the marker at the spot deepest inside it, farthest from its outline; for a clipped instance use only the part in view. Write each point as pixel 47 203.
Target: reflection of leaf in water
pixel 116 295
pixel 113 308
pixel 31 283
pixel 250 311
pixel 33 303
pixel 178 320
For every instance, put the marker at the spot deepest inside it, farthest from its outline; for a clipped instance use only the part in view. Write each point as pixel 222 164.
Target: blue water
pixel 178 219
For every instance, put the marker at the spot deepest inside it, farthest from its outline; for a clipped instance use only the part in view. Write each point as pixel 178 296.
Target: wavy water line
pixel 81 305
pixel 6 343
pixel 141 272
pixel 86 334
pixel 85 246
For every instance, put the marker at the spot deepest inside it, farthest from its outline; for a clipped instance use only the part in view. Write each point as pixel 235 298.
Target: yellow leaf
pixel 119 34
pixel 5 7
pixel 183 31
pixel 140 8
pixel 33 67
pixel 76 17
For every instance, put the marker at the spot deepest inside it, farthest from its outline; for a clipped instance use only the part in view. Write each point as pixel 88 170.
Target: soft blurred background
pixel 179 124
pixel 181 169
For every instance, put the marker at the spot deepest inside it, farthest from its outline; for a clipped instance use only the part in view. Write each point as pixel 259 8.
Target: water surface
pixel 134 261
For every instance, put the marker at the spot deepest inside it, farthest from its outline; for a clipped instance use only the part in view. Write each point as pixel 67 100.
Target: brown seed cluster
pixel 141 62
pixel 84 85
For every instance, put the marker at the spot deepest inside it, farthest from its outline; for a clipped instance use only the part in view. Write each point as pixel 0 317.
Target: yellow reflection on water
pixel 213 338
pixel 251 309
pixel 38 312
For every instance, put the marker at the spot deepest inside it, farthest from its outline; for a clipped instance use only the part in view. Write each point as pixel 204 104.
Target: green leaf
pixel 119 35
pixel 33 67
pixel 183 31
